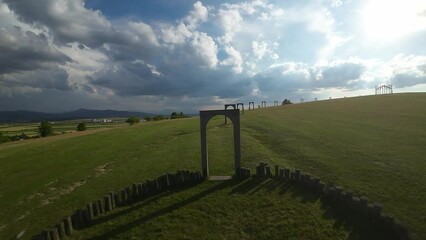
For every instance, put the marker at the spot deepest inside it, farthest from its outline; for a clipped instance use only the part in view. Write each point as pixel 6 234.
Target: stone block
pixel 400 230
pixel 90 211
pixel 95 209
pixel 135 192
pixel 108 203
pixel 140 190
pixel 112 194
pixel 61 229
pixel 68 225
pixel 377 210
pixel 82 218
pixel 369 212
pixel 129 195
pixel 86 218
pixel 101 206
pixel 277 171
pixel 292 177
pixel 286 173
pixel 45 234
pixel 54 235
pixel 321 186
pixel 258 171
pixel 268 171
pixel 117 200
pixel 364 203
pixel 281 173
pixel 75 221
pixel 337 194
pixel 315 182
pixel 307 181
pixel 355 204
pixel 296 175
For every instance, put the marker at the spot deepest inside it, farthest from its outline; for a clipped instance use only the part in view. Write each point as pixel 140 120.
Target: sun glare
pixel 393 19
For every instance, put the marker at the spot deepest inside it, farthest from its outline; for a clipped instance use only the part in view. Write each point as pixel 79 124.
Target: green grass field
pixel 31 129
pixel 373 145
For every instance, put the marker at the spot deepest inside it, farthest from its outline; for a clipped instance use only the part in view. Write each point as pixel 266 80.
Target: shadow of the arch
pixel 356 228
pixel 177 205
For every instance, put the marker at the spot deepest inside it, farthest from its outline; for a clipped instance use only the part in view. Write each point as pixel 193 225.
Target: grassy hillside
pixel 373 145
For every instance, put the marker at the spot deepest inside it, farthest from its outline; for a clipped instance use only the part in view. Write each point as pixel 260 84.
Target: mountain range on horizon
pixel 82 113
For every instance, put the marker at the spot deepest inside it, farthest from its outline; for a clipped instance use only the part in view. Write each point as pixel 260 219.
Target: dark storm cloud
pixel 68 21
pixel 292 76
pixel 340 75
pixel 51 78
pixel 136 78
pixel 26 51
pixel 407 79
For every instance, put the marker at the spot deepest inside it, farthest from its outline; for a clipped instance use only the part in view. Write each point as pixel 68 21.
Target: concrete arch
pixel 234 106
pixel 275 103
pixel 263 104
pixel 242 107
pixel 251 103
pixel 205 117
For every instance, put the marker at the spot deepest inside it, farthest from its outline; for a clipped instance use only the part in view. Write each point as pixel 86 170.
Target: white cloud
pixel 197 16
pixel 234 59
pixel 205 49
pixel 140 32
pixel 231 21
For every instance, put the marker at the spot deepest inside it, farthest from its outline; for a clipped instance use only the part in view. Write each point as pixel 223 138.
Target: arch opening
pixel 205 117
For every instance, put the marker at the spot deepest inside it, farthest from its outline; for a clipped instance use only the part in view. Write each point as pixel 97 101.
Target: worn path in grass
pixel 373 145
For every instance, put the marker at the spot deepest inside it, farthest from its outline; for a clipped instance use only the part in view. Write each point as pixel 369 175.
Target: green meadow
pixel 31 129
pixel 374 145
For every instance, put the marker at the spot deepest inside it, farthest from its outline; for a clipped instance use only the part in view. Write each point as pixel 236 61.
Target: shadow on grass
pixel 124 228
pixel 349 222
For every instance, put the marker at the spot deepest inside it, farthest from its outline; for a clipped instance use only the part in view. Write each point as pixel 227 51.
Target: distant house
pixel 104 120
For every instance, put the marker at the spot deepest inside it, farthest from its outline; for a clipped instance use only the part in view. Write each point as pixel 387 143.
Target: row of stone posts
pixel 342 199
pixel 83 218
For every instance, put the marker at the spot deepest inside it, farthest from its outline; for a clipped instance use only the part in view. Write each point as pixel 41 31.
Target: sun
pixel 393 19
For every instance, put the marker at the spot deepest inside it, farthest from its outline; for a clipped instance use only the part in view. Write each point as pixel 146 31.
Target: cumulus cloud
pixel 408 70
pixel 212 54
pixel 295 76
pixel 68 21
pixel 234 59
pixel 25 51
pixel 198 15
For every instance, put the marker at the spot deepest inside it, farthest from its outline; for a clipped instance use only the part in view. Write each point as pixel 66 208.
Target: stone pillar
pixel 68 225
pixel 61 229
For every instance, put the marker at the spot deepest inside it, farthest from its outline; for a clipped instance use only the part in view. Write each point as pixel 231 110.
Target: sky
pixel 181 55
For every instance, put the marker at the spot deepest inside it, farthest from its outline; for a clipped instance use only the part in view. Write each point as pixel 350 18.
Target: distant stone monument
pixel 242 107
pixel 251 103
pixel 275 103
pixel 384 89
pixel 263 104
pixel 205 116
pixel 226 107
pixel 302 100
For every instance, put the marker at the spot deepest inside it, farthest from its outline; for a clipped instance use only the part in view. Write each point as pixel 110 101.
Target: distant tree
pixel 158 117
pixel 81 127
pixel 45 129
pixel 176 115
pixel 132 120
pixel 3 138
pixel 147 118
pixel 286 101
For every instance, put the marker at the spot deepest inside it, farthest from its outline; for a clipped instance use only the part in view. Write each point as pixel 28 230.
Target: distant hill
pixel 31 116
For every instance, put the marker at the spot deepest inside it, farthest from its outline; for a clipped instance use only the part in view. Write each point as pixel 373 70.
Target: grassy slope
pixel 374 145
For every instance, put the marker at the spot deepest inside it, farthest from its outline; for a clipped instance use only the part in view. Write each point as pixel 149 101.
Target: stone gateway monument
pixel 205 116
